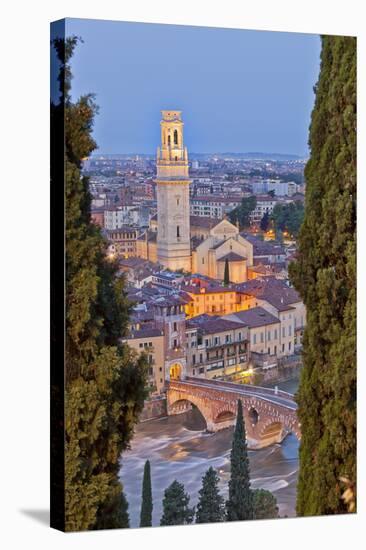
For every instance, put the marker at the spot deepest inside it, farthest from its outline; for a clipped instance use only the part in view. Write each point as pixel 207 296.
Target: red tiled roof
pixel 255 317
pixel 232 257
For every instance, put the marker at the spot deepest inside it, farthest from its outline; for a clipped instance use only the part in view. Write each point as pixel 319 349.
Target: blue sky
pixel 240 91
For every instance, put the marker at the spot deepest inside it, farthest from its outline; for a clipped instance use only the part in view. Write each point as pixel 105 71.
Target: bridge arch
pixel 253 416
pixel 183 404
pixel 279 428
pixel 225 415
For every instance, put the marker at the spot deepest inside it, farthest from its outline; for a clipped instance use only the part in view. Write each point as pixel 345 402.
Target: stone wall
pixel 154 408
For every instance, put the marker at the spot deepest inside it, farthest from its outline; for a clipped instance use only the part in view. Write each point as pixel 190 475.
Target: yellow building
pixel 214 299
pixel 146 246
pixel 151 342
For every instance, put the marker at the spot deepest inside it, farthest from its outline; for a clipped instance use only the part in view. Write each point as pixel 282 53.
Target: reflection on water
pixel 178 448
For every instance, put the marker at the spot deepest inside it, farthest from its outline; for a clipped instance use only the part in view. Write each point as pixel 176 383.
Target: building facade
pixel 151 342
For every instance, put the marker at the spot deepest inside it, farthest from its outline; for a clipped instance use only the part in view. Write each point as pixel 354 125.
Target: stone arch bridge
pixel 269 414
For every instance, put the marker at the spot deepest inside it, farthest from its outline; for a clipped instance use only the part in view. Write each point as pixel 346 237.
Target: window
pixel 174 326
pixel 161 369
pixel 239 335
pixel 289 346
pixel 141 345
pixel 254 338
pixel 275 334
pixel 193 359
pixel 289 330
pixel 269 336
pixel 178 231
pixel 175 343
pixel 283 347
pixel 168 140
pixel 269 351
pixel 283 332
pixel 262 337
pixel 203 260
pixel 175 137
pixel 201 358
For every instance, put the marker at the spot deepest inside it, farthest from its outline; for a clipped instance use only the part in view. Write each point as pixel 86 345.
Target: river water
pixel 179 448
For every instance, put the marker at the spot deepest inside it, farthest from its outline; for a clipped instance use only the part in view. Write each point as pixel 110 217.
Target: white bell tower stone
pixel 173 239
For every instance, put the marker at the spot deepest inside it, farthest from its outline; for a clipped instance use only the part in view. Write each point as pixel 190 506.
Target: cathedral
pixel 170 241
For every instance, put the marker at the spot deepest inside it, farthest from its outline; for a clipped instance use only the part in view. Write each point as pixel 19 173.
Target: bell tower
pixel 173 239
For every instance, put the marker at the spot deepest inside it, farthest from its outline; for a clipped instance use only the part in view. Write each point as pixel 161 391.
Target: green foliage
pixel 265 222
pixel 241 213
pixel 325 276
pixel 226 273
pixel 105 381
pixel 264 504
pixel 288 217
pixel 239 506
pixel 147 503
pixel 210 507
pixel 175 506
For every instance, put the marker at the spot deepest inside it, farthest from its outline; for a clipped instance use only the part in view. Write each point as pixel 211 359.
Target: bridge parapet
pixel 247 387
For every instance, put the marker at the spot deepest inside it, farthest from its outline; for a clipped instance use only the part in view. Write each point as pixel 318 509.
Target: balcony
pixel 222 344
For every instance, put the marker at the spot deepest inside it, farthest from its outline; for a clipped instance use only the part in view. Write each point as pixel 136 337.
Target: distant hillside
pixel 261 156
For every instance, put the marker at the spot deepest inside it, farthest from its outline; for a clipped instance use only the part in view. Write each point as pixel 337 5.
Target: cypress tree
pixel 264 504
pixel 226 273
pixel 265 222
pixel 105 382
pixel 239 506
pixel 325 276
pixel 147 503
pixel 210 507
pixel 175 506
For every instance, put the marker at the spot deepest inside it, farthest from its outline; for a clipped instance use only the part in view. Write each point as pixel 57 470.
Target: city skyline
pixel 231 101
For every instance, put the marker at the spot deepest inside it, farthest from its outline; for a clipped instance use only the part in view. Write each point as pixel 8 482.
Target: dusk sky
pixel 240 91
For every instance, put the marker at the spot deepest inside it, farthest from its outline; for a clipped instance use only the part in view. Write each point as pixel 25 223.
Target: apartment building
pixel 216 347
pixel 151 342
